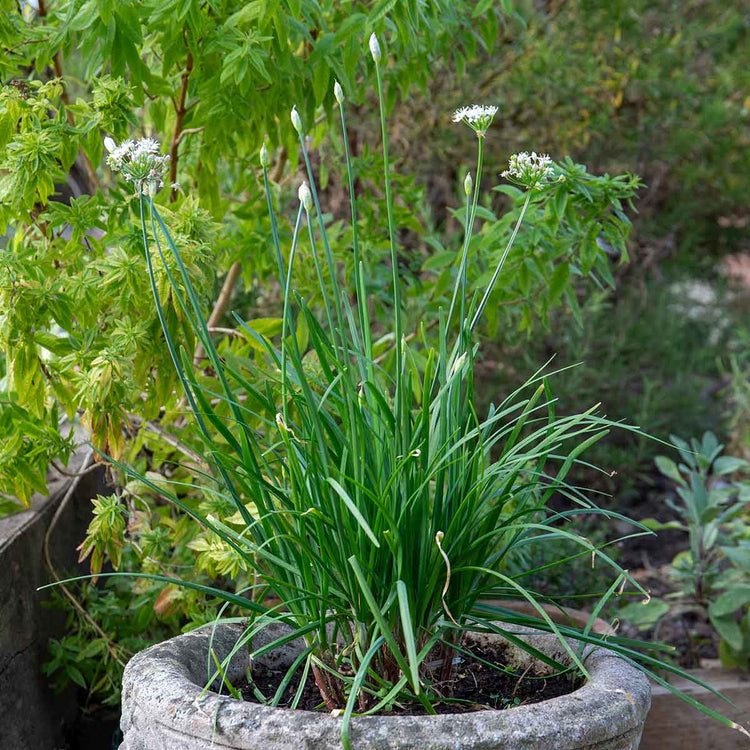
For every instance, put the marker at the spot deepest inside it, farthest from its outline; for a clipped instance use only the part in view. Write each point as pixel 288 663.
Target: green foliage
pixel 561 565
pixel 121 620
pixel 573 232
pixel 104 534
pixel 738 392
pixel 28 445
pixel 713 574
pixel 243 62
pixel 76 331
pixel 371 502
pixel 69 284
pixel 659 87
pixel 210 77
pixel 119 616
pixel 210 74
pixel 650 353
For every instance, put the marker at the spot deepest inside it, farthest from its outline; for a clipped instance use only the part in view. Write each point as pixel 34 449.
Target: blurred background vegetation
pixel 641 283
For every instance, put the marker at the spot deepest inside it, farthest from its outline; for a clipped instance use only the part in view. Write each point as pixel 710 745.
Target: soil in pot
pixel 474 685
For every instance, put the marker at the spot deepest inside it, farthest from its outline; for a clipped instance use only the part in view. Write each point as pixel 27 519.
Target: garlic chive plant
pixel 377 508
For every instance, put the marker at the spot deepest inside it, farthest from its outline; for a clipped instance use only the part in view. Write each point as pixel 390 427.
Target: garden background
pixel 641 278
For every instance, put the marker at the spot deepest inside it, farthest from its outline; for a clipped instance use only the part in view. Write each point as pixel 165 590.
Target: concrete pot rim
pixel 162 685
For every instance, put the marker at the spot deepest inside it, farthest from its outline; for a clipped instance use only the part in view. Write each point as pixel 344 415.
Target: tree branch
pixel 180 110
pixel 221 305
pixel 188 131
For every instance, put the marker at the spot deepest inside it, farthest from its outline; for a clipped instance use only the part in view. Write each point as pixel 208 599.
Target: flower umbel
pixel 478 117
pixel 139 162
pixel 529 170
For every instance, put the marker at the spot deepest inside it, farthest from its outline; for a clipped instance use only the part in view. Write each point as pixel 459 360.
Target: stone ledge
pixel 38 715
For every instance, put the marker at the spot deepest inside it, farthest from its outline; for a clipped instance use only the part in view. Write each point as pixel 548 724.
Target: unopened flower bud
pixel 296 120
pixel 305 196
pixel 458 364
pixel 109 144
pixel 263 156
pixel 468 183
pixel 338 92
pixel 375 48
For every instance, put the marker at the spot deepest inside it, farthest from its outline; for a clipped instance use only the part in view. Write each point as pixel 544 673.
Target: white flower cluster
pixel 478 117
pixel 139 162
pixel 530 170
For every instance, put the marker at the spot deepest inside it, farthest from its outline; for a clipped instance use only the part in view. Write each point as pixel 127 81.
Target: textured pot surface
pixel 163 709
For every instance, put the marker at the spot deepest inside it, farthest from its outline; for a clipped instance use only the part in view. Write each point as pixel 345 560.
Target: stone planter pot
pixel 567 616
pixel 162 708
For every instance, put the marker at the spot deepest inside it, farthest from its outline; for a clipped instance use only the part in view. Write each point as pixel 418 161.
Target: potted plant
pixel 707 585
pixel 379 513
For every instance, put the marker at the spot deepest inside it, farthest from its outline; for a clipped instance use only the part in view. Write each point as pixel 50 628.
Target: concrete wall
pixel 33 717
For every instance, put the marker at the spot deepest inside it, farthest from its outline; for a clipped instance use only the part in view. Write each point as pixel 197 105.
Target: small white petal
pixel 109 144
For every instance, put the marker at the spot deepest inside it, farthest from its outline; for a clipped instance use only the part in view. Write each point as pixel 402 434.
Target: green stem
pixel 363 312
pixel 319 273
pixel 500 265
pixel 394 261
pixel 337 332
pixel 471 212
pixel 287 311
pixel 274 228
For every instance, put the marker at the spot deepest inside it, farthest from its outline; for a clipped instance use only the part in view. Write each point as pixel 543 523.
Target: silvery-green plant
pixel 375 505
